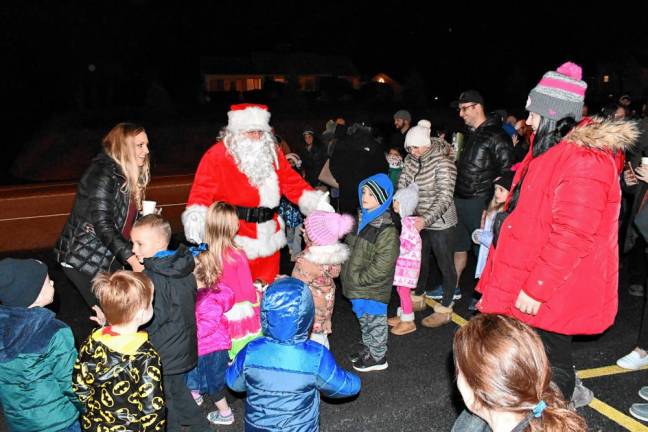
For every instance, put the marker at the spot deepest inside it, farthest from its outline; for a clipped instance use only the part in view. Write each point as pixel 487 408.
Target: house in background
pixel 384 79
pixel 306 71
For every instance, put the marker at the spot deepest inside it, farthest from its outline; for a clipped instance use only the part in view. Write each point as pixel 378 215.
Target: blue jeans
pixel 208 377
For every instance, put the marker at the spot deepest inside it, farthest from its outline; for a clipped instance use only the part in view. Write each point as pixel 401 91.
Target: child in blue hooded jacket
pixel 368 274
pixel 284 371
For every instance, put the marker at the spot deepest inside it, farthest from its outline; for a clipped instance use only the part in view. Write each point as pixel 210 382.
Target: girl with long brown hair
pixel 504 377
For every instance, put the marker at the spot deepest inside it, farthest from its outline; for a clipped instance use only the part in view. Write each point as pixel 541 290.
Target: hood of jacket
pixel 366 216
pixel 336 253
pixel 287 311
pixel 25 330
pixel 601 134
pixel 174 264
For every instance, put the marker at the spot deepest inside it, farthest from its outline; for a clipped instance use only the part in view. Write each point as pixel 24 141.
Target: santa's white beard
pixel 255 159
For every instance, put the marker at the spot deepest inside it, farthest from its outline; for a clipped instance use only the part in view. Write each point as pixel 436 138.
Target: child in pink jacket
pixel 408 264
pixel 214 341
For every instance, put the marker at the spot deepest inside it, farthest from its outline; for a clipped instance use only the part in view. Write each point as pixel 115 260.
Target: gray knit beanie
pixel 407 199
pixel 403 114
pixel 559 93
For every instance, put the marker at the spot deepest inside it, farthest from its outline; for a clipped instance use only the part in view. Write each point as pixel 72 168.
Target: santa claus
pixel 246 168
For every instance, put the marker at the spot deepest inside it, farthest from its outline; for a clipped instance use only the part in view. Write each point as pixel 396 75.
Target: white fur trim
pixel 249 119
pixel 193 220
pixel 268 240
pixel 269 194
pixel 313 200
pixel 330 254
pixel 240 311
pixel 407 317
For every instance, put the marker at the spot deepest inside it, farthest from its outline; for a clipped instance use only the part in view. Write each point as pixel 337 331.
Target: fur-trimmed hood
pixel 603 134
pixel 336 253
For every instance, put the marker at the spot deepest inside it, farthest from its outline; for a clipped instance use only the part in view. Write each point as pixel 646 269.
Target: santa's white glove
pixel 314 200
pixel 324 205
pixel 193 219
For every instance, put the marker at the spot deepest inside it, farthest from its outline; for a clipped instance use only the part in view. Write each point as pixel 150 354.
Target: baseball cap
pixel 468 96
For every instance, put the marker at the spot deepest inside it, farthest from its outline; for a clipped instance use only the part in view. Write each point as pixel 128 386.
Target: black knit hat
pixel 21 281
pixel 505 180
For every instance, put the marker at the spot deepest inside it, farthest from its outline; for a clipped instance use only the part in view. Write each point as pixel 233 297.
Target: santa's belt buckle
pixel 256 214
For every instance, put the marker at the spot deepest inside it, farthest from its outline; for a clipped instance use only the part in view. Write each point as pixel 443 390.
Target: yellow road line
pixel 459 320
pixel 617 416
pixel 604 371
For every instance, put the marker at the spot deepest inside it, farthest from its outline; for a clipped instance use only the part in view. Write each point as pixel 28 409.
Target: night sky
pixel 47 46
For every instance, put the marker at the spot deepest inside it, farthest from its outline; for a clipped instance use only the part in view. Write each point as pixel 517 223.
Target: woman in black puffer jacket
pixel 96 236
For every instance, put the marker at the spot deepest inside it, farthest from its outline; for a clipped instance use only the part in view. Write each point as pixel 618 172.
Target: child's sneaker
pixel 368 364
pixel 215 417
pixel 356 356
pixel 197 397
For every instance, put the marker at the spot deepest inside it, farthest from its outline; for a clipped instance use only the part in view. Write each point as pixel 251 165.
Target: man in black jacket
pixel 486 154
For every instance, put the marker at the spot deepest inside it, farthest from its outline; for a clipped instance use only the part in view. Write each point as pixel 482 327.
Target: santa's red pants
pixel 265 268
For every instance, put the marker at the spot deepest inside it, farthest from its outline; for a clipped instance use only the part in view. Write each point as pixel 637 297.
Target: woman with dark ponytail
pixel 504 377
pixel 555 265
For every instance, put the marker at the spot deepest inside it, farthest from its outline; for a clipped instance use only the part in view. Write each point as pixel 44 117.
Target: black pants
pixel 180 406
pixel 440 243
pixel 559 352
pixel 83 283
pixel 636 260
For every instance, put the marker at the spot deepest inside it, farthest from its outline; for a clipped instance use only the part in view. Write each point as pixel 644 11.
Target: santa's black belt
pixel 256 214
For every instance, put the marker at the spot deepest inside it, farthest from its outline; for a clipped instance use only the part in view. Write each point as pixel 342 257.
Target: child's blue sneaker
pixel 215 417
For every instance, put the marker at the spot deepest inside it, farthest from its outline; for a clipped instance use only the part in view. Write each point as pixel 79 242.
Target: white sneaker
pixel 633 361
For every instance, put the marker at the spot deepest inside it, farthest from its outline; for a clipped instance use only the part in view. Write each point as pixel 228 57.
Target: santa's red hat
pixel 248 117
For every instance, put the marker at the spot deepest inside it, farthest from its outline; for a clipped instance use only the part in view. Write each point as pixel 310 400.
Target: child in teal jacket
pixel 36 352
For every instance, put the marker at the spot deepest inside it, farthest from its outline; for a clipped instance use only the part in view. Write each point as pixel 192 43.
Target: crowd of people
pixel 538 202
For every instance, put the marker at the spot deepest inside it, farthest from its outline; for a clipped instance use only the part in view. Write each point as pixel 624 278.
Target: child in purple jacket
pixel 208 377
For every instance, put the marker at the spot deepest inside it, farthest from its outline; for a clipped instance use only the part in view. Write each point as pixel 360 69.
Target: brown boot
pixel 418 302
pixel 403 328
pixel 393 321
pixel 442 315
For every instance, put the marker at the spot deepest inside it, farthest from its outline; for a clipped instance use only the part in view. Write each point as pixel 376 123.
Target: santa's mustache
pixel 257 159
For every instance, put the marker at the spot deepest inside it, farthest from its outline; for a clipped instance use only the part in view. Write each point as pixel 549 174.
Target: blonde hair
pixel 221 227
pixel 122 294
pixel 504 363
pixel 156 222
pixel 118 144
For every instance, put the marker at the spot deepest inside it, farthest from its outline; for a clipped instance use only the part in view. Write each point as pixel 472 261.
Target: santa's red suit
pixel 218 178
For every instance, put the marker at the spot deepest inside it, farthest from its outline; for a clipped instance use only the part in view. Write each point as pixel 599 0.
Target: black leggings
pixel 559 352
pixel 83 284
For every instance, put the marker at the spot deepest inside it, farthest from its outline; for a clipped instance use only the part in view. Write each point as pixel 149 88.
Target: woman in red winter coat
pixel 555 263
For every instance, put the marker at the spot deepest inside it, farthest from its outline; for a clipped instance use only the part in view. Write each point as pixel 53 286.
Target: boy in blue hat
pixel 368 274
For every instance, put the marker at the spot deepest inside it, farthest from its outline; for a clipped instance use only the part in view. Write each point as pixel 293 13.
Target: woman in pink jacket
pixel 555 263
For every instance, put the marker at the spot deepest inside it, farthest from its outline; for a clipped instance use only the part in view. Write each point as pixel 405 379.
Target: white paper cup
pixel 644 161
pixel 148 207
